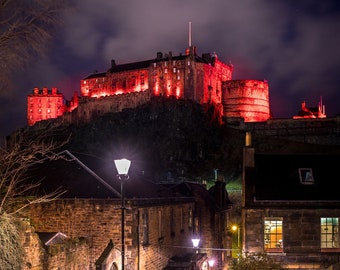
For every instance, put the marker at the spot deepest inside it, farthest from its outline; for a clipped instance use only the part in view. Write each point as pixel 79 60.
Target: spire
pixel 189 34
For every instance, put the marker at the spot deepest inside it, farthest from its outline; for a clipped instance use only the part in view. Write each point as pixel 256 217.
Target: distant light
pixel 211 262
pixel 195 242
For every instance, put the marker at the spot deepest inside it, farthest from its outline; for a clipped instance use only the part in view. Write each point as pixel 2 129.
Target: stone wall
pixel 98 221
pixel 89 108
pixel 71 254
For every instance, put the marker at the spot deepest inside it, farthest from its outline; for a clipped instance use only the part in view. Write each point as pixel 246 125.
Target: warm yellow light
pixel 234 228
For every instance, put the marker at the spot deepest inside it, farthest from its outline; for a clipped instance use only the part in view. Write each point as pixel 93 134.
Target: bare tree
pixel 16 192
pixel 26 27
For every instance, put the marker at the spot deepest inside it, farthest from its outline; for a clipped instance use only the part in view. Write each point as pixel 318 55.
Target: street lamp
pixel 122 166
pixel 195 243
pixel 237 228
pixel 211 263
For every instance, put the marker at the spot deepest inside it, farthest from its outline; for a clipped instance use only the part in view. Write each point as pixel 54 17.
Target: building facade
pixel 290 208
pixel 159 221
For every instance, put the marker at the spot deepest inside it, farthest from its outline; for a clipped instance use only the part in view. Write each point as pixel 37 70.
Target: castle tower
pixel 44 104
pixel 247 99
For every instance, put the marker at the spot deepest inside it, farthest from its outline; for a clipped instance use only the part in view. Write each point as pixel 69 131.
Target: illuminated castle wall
pixel 205 79
pixel 48 104
pixel 248 99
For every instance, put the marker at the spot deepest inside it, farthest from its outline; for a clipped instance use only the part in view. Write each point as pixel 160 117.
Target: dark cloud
pixel 292 44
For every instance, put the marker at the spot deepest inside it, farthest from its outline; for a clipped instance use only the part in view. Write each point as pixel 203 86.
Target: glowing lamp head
pixel 211 262
pixel 234 228
pixel 195 242
pixel 122 166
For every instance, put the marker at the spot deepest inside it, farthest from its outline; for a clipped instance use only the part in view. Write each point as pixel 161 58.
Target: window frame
pixel 325 223
pixel 304 179
pixel 273 234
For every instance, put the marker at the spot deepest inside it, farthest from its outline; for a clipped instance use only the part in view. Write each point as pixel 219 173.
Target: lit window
pixel 306 176
pixel 329 232
pixel 273 241
pixel 142 79
pixel 190 221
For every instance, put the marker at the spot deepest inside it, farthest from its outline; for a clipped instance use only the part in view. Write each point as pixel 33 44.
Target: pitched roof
pixel 277 177
pixel 86 176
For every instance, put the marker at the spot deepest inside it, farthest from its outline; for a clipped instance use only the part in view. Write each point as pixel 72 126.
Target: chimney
pixel 113 63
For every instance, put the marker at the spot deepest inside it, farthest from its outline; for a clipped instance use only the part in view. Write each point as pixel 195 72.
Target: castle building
pixel 46 104
pixel 204 79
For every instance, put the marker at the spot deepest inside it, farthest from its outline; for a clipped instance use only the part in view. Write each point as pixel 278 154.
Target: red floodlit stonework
pixel 47 104
pixel 204 79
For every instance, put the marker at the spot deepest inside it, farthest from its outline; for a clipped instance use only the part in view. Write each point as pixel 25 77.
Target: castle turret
pixel 247 99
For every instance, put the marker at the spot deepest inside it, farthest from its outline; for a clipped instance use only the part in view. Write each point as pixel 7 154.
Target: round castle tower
pixel 247 99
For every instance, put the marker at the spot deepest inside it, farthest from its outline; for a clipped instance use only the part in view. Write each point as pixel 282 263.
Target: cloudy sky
pixel 292 44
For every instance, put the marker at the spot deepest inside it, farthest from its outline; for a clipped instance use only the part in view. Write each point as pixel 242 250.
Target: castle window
pixel 165 70
pixel 306 176
pixel 273 240
pixel 329 232
pixel 133 81
pixel 142 79
pixel 114 84
pixel 174 70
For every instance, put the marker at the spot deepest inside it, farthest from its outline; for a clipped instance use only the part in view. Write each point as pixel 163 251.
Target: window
pixel 190 220
pixel 160 225
pixel 329 232
pixel 145 224
pixel 306 176
pixel 273 241
pixel 182 220
pixel 172 223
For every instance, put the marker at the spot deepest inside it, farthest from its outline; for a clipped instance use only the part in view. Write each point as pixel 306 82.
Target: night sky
pixel 294 45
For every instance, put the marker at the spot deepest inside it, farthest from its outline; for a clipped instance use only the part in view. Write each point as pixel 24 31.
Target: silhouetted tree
pixel 26 27
pixel 16 193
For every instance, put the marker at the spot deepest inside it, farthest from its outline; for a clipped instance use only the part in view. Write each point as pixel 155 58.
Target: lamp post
pixel 122 166
pixel 237 228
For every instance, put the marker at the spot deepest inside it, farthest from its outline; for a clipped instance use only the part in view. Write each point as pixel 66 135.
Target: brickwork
pixel 301 235
pixel 98 221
